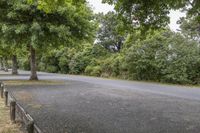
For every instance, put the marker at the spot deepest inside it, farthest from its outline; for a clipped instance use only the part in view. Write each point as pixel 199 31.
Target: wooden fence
pixel 17 111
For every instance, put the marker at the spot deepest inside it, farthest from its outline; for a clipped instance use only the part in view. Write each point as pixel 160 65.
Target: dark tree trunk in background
pixel 14 65
pixel 1 64
pixel 6 64
pixel 33 64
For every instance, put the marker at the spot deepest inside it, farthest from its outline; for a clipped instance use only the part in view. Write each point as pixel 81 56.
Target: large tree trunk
pixel 1 63
pixel 14 65
pixel 6 64
pixel 33 64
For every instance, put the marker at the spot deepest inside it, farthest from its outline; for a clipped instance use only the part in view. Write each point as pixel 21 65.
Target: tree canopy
pixel 40 24
pixel 65 36
pixel 153 13
pixel 110 34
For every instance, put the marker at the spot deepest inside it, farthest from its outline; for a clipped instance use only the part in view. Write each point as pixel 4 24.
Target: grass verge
pixel 28 82
pixel 5 124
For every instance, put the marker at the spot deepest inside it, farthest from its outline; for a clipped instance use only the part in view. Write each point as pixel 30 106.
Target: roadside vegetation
pixel 163 56
pixel 159 55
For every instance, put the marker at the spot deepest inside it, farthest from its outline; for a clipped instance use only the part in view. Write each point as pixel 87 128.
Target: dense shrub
pixel 24 64
pixel 64 64
pixel 164 57
pixel 93 70
pixel 96 71
pixel 161 56
pixel 52 69
pixel 79 62
pixel 88 70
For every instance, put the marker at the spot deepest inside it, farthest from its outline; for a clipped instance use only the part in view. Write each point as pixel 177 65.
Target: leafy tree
pixel 54 60
pixel 190 28
pixel 9 50
pixel 4 56
pixel 38 25
pixel 164 56
pixel 183 64
pixel 109 34
pixel 152 13
pixel 80 61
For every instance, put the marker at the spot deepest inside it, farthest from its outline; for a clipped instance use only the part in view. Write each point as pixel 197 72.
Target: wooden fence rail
pixel 16 110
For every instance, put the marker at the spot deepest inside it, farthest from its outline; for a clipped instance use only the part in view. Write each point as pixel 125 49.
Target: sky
pixel 99 7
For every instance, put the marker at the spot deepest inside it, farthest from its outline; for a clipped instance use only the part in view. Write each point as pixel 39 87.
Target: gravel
pixel 83 107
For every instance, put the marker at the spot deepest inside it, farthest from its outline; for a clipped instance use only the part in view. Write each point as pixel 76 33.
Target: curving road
pixel 95 105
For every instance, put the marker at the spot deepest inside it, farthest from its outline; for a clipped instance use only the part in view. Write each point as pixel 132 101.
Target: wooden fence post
pixel 6 97
pixel 30 126
pixel 2 89
pixel 12 110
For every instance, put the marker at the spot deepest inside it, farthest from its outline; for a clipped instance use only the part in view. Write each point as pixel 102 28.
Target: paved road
pixel 94 105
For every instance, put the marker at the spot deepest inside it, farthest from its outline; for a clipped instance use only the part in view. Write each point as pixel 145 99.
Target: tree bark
pixel 1 63
pixel 6 64
pixel 33 64
pixel 14 65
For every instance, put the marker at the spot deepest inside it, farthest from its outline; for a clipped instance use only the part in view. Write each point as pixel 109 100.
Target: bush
pixel 164 57
pixel 93 70
pixel 113 66
pixel 64 64
pixel 96 71
pixel 42 66
pixel 24 64
pixel 52 69
pixel 78 63
pixel 88 70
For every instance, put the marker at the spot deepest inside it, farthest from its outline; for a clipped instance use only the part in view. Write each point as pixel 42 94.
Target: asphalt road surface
pixel 94 105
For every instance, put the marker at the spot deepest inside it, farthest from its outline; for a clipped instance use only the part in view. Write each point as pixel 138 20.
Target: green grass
pixel 29 82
